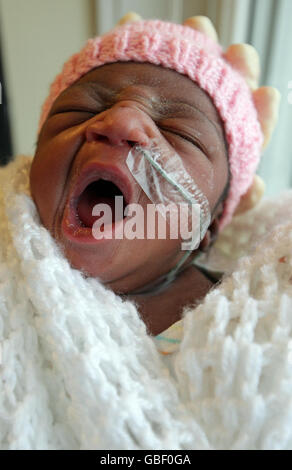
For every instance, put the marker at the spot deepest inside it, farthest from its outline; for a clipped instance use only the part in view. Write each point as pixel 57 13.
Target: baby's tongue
pixel 86 204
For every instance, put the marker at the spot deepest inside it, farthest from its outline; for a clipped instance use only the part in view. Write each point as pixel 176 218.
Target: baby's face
pixel 81 160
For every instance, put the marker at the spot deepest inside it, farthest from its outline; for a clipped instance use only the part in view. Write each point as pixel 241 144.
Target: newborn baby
pixel 80 161
pixel 89 131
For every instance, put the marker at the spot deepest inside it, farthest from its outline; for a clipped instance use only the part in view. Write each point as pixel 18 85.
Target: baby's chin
pixel 123 265
pixel 102 260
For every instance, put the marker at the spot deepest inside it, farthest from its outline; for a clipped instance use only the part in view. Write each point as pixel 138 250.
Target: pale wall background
pixel 39 35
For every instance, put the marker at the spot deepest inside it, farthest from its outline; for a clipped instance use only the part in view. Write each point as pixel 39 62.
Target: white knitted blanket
pixel 78 370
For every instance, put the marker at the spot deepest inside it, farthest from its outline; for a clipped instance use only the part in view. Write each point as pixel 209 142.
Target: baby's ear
pixel 252 197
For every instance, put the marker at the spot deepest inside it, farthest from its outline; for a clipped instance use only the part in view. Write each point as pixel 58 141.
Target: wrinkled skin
pixel 97 119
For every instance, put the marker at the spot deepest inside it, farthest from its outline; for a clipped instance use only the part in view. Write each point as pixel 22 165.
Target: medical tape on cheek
pixel 164 179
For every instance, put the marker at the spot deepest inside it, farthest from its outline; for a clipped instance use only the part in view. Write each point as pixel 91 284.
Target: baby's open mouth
pixel 98 193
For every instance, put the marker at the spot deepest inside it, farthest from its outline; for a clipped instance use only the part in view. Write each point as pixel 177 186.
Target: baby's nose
pixel 120 125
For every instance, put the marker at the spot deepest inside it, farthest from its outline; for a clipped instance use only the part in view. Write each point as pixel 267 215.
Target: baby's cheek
pixel 42 184
pixel 206 179
pixel 196 163
pixel 48 173
pixel 202 172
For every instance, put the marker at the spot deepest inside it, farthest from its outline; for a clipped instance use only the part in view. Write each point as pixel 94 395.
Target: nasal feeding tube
pixel 164 179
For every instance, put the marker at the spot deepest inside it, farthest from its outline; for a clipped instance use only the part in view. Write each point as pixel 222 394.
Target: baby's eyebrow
pixel 93 89
pixel 74 95
pixel 171 108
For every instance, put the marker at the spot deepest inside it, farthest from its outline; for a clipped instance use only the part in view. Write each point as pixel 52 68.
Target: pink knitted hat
pixel 191 53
